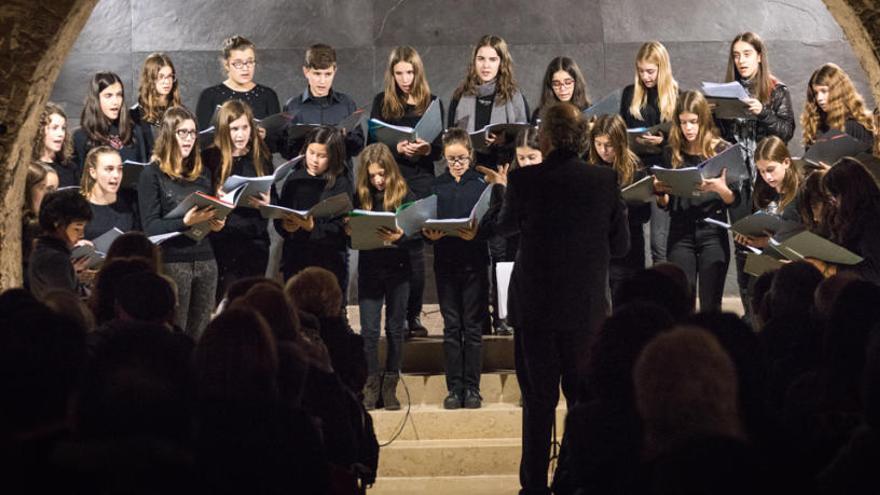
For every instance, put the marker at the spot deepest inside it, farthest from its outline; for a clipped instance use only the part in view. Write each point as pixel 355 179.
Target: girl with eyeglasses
pixel 239 62
pixel 175 173
pixel 158 91
pixel 563 81
pixel 106 122
pixel 405 98
pixel 461 269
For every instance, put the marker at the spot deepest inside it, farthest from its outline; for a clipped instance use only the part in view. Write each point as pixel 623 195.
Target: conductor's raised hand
pixel 495 176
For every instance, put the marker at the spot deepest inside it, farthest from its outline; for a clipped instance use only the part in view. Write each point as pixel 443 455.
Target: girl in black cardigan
pixel 315 241
pixel 105 121
pixel 242 247
pixel 111 207
pixel 609 147
pixel 239 63
pixel 461 269
pixel 53 145
pixel 405 99
pixel 701 249
pixel 648 101
pixel 177 172
pixel 383 274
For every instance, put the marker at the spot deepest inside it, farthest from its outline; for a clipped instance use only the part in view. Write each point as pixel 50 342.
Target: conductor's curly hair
pixel 563 126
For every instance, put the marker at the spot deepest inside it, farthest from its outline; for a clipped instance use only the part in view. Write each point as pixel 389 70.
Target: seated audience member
pixel 828 291
pixel 760 308
pixel 687 396
pixel 247 440
pixel 42 357
pixel 108 283
pixel 69 305
pixel 659 286
pixel 854 469
pixel 824 406
pixel 603 434
pixel 135 288
pixel 137 244
pixel 63 217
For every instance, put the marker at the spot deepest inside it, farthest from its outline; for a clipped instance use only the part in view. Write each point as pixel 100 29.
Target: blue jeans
pixel 373 290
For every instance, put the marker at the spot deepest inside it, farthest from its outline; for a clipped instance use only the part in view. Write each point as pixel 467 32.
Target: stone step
pixel 429 485
pixel 435 423
pixel 458 457
pixel 501 387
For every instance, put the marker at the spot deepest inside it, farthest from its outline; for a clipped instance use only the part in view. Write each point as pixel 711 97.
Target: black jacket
pixel 158 194
pixel 418 172
pixel 135 150
pixel 244 222
pixel 689 212
pixel 301 191
pixel 572 221
pixel 456 200
pixel 50 267
pixel 776 119
pixel 650 117
pixel 149 130
pixel 328 110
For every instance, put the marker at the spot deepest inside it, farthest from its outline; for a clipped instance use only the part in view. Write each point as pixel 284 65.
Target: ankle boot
pixel 389 391
pixel 371 391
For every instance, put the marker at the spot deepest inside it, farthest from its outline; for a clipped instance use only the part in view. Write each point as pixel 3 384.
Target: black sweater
pixel 134 151
pixel 68 172
pixel 456 200
pixel 418 172
pixel 158 194
pixel 50 267
pixel 650 117
pixel 301 191
pixel 690 211
pixel 262 100
pixel 637 215
pixel 394 259
pixel 244 222
pixel 122 214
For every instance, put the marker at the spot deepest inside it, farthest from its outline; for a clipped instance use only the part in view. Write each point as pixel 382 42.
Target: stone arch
pixel 38 36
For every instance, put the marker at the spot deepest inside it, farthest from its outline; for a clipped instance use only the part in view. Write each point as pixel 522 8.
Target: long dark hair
pixel 857 198
pixel 579 97
pixel 332 139
pixel 94 122
pixel 765 82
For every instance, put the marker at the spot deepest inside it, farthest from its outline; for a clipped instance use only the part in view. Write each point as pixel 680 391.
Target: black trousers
pixel 463 304
pixel 702 250
pixel 416 281
pixel 544 357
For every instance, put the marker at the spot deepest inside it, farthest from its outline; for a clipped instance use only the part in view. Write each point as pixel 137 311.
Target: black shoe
pixel 503 329
pixel 452 401
pixel 472 399
pixel 415 328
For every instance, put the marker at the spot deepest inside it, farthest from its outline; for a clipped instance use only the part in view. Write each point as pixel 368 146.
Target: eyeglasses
pixel 186 133
pixel 170 77
pixel 562 84
pixel 459 160
pixel 241 65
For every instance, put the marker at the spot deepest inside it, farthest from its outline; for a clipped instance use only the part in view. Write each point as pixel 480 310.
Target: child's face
pixel 107 173
pixel 526 156
pixel 240 134
pixel 604 149
pixel 487 63
pixel 458 158
pixel 377 176
pixel 316 159
pixel 404 76
pixel 690 126
pixel 320 80
pixel 821 92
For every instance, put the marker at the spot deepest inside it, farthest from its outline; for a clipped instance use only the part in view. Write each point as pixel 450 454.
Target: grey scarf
pixel 514 111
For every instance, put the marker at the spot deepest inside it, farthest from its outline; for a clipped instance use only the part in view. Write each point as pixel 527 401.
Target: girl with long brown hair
pixel 701 249
pixel 405 97
pixel 105 121
pixel 563 81
pixel 383 274
pixel 175 173
pixel 53 145
pixel 489 94
pixel 609 147
pixel 158 90
pixel 242 247
pixel 834 103
pixel 111 206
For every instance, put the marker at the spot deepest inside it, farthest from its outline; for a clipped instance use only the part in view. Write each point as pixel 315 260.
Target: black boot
pixel 389 391
pixel 502 328
pixel 415 328
pixel 371 391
